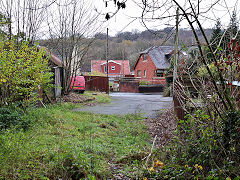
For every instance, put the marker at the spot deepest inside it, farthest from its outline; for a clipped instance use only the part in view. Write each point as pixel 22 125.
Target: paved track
pixel 128 103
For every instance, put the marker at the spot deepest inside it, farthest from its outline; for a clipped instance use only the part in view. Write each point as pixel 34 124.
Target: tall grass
pixel 66 144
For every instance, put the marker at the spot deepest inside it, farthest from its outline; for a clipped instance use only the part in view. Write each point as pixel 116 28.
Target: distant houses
pixel 153 63
pixel 116 68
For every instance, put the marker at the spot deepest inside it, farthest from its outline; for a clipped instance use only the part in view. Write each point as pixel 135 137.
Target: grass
pixel 100 97
pixel 66 144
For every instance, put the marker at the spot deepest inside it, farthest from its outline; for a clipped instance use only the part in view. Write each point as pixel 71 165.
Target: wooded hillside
pixel 127 45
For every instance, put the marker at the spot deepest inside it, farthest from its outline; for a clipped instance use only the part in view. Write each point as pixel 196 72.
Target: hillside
pixel 127 45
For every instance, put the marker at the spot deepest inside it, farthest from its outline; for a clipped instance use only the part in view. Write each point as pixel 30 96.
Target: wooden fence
pixel 97 83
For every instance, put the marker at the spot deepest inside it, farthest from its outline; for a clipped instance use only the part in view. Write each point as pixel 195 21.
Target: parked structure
pixel 116 68
pixel 152 64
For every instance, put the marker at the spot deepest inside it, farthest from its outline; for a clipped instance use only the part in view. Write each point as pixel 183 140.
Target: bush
pixel 203 149
pixel 9 116
pixel 144 82
pixel 13 117
pixel 23 70
pixel 167 91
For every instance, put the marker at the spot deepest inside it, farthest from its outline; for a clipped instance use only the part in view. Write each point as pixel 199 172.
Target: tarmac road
pixel 130 103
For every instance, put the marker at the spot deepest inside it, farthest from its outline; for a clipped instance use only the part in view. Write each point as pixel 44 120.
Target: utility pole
pixel 107 52
pixel 175 51
pixel 107 59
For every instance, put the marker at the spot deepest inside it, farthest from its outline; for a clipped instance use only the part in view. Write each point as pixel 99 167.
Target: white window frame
pixel 160 71
pixel 145 73
pixel 144 57
pixel 113 68
pixel 138 73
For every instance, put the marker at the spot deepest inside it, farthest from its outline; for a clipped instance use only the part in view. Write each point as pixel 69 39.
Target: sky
pixel 128 19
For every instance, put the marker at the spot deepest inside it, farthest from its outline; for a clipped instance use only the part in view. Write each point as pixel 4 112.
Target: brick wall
pixel 147 65
pixel 150 68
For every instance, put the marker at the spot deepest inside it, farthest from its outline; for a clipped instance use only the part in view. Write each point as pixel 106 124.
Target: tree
pixel 216 35
pixel 25 17
pixel 69 27
pixel 24 70
pixel 231 32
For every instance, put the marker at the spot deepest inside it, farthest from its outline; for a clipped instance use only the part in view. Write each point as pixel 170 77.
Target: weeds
pixel 66 144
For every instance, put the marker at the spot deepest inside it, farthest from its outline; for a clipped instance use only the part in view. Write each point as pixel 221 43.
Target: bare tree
pixel 25 17
pixel 71 26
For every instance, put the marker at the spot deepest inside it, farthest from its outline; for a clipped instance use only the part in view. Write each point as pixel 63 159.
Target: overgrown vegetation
pixel 64 144
pixel 23 72
pixel 202 149
pixel 206 144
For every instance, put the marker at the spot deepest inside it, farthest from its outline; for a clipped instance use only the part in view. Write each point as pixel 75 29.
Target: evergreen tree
pixel 215 40
pixel 231 32
pixel 216 35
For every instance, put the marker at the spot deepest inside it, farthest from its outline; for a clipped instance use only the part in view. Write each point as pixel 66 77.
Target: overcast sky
pixel 126 19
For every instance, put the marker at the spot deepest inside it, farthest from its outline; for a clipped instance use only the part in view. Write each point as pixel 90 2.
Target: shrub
pixel 23 70
pixel 167 90
pixel 203 149
pixel 9 116
pixel 144 82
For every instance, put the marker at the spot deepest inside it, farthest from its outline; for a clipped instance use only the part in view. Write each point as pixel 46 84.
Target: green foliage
pixel 231 131
pixel 72 145
pixel 202 71
pixel 23 70
pixel 198 150
pixel 167 90
pixel 142 82
pixel 9 116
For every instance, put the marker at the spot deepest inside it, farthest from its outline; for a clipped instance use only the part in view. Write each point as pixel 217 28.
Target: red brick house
pixel 152 64
pixel 116 68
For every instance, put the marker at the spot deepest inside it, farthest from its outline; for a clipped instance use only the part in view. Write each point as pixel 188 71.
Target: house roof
pixel 96 65
pixel 158 55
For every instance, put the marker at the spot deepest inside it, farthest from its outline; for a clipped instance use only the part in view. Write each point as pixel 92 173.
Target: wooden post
pixel 175 52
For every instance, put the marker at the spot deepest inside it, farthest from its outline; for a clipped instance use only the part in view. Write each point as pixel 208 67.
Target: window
pixel 145 73
pixel 160 73
pixel 144 57
pixel 139 73
pixel 105 69
pixel 112 68
pixel 168 56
